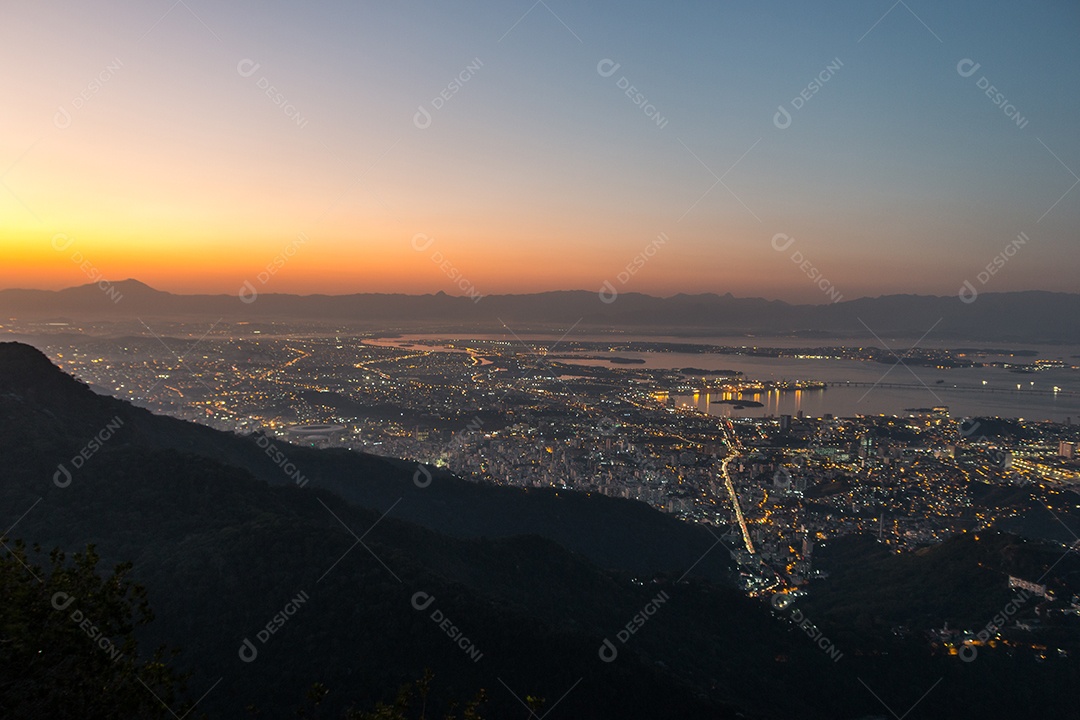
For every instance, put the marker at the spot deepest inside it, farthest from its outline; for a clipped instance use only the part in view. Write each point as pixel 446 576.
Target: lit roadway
pixel 366 365
pixel 735 504
pixel 733 443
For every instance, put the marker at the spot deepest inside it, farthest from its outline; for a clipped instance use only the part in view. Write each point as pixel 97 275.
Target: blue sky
pixel 897 174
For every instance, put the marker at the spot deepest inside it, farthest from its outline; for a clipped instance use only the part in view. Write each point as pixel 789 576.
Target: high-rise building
pixel 866 445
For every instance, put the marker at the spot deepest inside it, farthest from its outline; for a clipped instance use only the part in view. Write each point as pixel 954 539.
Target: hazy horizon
pixel 345 293
pixel 779 151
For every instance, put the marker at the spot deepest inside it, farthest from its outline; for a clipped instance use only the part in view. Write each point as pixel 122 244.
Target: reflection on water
pixel 843 401
pixel 991 391
pixel 984 391
pixel 773 402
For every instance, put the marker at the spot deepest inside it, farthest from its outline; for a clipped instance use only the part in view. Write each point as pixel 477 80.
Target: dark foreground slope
pixel 961 583
pixel 612 532
pixel 222 553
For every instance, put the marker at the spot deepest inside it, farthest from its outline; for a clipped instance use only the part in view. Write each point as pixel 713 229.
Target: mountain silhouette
pixel 1029 316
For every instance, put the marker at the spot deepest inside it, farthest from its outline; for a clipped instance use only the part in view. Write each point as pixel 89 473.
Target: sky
pixel 787 150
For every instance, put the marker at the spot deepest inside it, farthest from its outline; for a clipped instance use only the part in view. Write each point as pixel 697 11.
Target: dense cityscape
pixel 531 414
pixel 539 359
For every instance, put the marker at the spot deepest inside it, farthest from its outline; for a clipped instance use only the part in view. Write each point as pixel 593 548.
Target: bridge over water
pixel 1024 389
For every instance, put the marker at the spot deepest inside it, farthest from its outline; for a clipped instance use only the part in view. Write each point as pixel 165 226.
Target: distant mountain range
pixel 534 581
pixel 1031 316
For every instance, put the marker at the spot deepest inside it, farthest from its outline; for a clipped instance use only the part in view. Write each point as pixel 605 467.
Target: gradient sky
pixel 136 137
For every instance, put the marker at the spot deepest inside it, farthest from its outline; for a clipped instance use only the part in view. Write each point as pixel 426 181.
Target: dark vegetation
pixel 221 552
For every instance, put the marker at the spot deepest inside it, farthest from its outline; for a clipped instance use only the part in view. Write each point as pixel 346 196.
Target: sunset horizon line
pixel 128 282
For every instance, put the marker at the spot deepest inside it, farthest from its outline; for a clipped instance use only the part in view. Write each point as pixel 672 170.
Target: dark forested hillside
pixel 269 588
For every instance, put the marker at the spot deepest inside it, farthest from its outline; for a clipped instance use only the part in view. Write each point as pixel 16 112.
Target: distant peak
pixel 130 286
pixel 133 284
